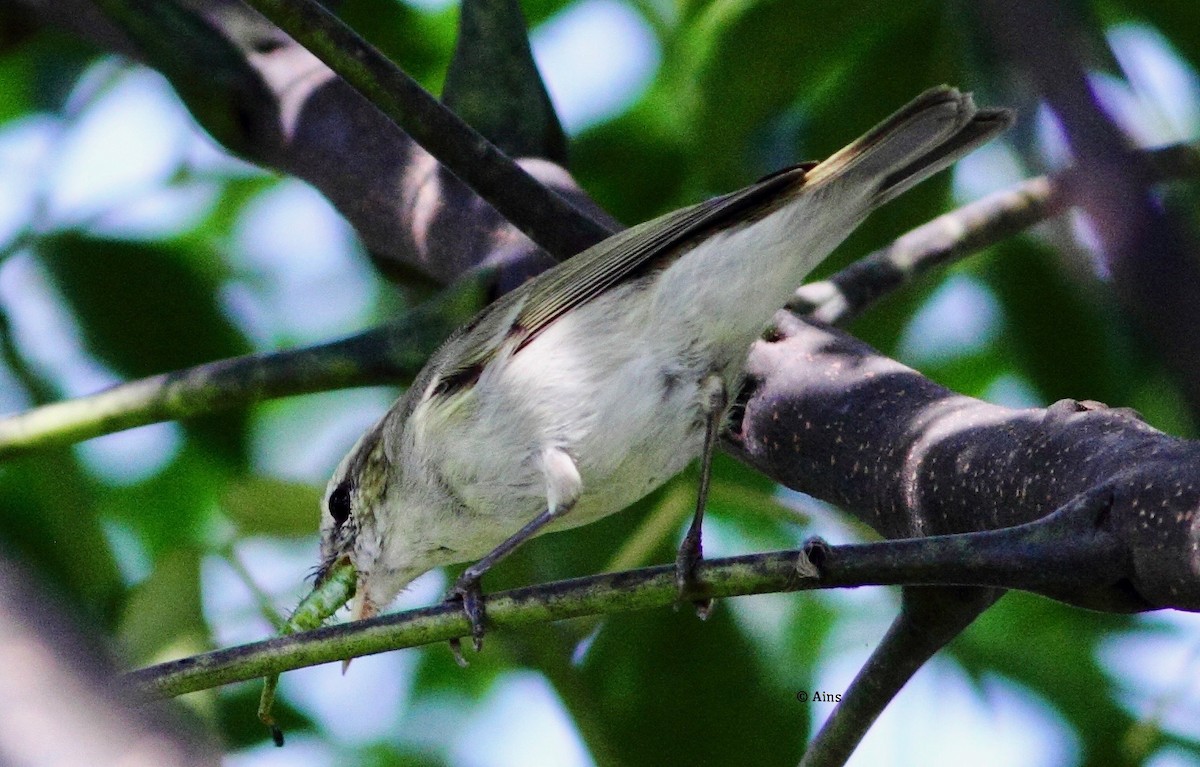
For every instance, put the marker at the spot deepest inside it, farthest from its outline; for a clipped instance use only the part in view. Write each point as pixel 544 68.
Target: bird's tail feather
pixel 927 135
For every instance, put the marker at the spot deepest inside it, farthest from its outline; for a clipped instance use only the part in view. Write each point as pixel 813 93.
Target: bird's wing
pixel 626 255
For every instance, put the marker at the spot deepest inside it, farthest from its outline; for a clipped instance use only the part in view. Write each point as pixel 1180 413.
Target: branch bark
pixel 1084 552
pixel 265 97
pixel 547 219
pixel 826 414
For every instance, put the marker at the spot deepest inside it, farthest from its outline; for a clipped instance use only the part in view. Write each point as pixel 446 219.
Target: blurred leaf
pixel 885 71
pixel 674 690
pixel 40 72
pixel 419 42
pixel 743 44
pixel 635 166
pixel 749 501
pixel 1052 649
pixel 231 202
pixel 389 755
pixel 163 614
pixel 145 309
pixel 1065 334
pixel 810 625
pixel 269 506
pixel 538 11
pixel 173 508
pixel 48 520
pixel 438 674
pixel 970 374
pixel 883 325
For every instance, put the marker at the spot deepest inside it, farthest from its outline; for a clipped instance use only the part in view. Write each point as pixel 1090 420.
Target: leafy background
pixel 130 244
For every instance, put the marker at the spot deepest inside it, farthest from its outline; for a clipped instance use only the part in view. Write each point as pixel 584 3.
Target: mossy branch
pixel 390 354
pixel 1066 552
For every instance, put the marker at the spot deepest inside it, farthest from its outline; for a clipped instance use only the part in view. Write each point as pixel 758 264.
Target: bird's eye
pixel 339 503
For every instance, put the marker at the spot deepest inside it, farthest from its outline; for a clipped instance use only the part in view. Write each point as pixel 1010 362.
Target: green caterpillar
pixel 326 598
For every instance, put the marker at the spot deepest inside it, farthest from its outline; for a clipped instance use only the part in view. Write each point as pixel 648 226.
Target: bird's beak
pixel 361 608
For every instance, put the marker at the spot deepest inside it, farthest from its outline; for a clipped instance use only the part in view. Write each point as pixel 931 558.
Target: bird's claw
pixel 467 591
pixel 689 556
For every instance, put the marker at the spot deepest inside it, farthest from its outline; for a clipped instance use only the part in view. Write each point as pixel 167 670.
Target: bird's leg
pixel 714 400
pixel 563 486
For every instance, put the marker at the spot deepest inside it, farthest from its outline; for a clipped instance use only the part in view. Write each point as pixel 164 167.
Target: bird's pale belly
pixel 644 469
pixel 630 416
pixel 623 449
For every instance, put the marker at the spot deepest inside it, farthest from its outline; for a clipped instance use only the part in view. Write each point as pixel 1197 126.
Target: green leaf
pixel 635 165
pixel 419 42
pixel 39 73
pixel 1063 331
pixel 163 614
pixel 268 506
pixel 173 508
pixel 146 309
pixel 664 683
pixel 48 521
pixel 801 50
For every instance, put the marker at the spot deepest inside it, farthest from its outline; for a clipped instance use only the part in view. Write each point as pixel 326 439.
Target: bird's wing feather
pixel 624 256
pixel 644 248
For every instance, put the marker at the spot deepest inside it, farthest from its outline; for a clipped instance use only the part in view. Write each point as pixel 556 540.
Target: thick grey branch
pixel 826 414
pixel 547 219
pixel 267 98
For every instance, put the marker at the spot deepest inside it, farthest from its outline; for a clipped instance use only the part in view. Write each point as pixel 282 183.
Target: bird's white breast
pixel 616 383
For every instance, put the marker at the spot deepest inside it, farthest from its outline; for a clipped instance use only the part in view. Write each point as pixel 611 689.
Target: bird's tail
pixel 929 134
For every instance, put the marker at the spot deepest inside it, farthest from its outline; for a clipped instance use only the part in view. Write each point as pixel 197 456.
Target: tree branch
pixel 395 352
pixel 390 354
pixel 546 218
pixel 959 233
pixel 264 96
pixel 929 619
pixel 1064 552
pixel 825 414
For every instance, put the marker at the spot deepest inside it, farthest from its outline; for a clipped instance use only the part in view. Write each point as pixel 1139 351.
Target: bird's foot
pixel 690 555
pixel 468 592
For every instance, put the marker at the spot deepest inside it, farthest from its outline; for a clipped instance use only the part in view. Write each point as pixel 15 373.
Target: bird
pixel 584 389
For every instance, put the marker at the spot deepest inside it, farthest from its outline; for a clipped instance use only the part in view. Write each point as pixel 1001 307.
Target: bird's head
pixel 360 515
